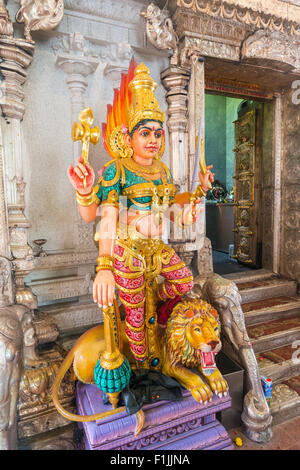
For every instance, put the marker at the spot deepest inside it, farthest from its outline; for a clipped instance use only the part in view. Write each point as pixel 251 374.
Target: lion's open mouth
pixel 208 360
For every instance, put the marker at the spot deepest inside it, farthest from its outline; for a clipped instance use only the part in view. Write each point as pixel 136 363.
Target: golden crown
pixel 143 105
pixel 133 102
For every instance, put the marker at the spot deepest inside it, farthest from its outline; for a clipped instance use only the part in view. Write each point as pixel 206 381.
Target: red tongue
pixel 208 359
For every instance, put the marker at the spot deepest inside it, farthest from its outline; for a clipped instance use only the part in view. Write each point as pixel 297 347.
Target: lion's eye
pixel 198 329
pixel 216 329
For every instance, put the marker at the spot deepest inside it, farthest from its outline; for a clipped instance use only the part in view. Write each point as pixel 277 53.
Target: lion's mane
pixel 179 349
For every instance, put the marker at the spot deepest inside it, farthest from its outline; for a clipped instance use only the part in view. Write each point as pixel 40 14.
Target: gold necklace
pixel 153 169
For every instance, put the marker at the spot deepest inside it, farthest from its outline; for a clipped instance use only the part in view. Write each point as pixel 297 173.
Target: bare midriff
pixel 145 222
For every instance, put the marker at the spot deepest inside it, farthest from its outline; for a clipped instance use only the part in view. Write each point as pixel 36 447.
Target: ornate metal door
pixel 246 191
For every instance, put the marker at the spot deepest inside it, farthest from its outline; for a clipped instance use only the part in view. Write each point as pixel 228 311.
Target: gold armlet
pixel 105 262
pixel 87 199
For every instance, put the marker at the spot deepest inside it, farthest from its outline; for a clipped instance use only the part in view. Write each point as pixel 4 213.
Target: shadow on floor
pixel 223 264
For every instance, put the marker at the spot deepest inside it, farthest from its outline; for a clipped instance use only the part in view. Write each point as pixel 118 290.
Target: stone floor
pixel 224 265
pixel 286 436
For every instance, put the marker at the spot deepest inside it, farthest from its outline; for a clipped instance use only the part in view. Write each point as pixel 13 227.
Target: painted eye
pixel 144 133
pixel 158 135
pixel 216 329
pixel 198 329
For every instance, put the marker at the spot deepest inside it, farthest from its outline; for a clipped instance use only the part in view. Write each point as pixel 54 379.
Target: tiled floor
pixel 286 436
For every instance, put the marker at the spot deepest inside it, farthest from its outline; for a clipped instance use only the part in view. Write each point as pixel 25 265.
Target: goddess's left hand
pixel 206 178
pixel 191 213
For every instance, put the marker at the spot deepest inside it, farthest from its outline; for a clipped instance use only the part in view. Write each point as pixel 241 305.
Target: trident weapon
pixel 85 133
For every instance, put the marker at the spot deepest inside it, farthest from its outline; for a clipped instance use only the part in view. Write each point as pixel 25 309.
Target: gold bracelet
pixel 105 259
pixel 105 262
pixel 104 268
pixel 86 199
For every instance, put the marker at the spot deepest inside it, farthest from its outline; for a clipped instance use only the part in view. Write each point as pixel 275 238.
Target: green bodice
pixel 121 184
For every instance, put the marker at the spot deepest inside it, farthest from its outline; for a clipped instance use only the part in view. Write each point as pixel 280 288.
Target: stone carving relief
pixel 204 259
pixel 208 48
pixel 10 370
pixel 291 201
pixel 6 27
pixel 274 47
pixel 16 346
pixel 39 15
pixel 224 296
pixel 204 27
pixel 5 273
pixel 248 16
pixel 160 31
pixel 113 9
pixel 35 409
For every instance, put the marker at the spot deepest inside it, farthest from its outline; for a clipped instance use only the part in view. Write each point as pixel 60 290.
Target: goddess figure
pixel 136 194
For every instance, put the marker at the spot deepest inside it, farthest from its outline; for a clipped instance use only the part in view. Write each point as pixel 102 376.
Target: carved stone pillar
pixel 77 68
pixel 175 80
pixel 16 57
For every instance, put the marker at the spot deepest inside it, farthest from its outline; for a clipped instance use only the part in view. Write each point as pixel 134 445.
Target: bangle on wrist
pixel 86 200
pixel 105 262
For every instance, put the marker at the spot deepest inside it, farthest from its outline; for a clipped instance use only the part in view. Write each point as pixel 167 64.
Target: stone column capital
pixel 16 55
pixel 76 65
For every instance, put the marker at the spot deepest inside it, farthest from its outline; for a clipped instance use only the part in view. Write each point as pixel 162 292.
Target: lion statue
pixel 191 341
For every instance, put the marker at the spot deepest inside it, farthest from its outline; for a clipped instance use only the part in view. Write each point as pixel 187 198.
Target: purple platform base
pixel 180 425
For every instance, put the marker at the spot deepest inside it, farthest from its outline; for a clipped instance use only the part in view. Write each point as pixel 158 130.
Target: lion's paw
pixel 218 384
pixel 202 393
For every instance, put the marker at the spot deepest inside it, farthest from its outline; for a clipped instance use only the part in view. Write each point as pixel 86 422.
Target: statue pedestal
pixel 169 425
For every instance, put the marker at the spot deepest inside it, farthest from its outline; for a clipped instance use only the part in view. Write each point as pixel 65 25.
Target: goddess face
pixel 146 140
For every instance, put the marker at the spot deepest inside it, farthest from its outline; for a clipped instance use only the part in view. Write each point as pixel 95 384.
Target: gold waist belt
pixel 148 250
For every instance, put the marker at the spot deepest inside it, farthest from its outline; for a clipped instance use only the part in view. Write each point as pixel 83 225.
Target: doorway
pixel 234 130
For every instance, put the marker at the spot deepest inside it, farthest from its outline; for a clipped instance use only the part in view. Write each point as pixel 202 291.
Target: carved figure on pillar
pixel 6 27
pixel 160 31
pixel 39 15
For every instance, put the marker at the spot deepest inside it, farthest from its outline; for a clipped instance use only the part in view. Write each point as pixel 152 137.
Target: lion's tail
pixel 65 413
pixel 140 417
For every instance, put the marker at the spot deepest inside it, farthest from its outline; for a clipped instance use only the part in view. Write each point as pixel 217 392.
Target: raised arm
pixel 85 196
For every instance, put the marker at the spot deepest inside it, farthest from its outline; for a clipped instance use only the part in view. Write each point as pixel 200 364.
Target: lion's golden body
pixel 181 345
pixel 193 330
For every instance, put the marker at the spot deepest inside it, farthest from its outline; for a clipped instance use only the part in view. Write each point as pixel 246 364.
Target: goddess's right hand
pixel 104 288
pixel 78 173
